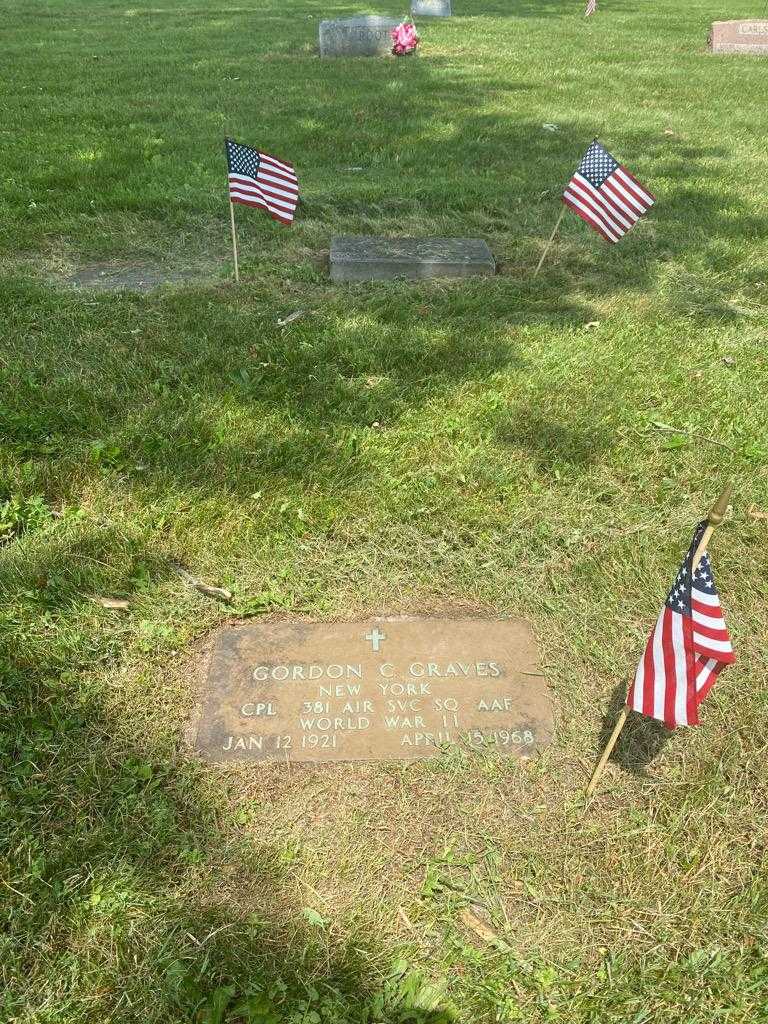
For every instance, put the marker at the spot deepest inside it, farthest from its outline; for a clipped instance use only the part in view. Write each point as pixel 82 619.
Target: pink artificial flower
pixel 404 38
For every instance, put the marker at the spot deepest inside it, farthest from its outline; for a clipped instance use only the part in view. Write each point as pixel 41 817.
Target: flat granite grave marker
pixel 368 35
pixel 431 8
pixel 369 258
pixel 739 37
pixel 389 689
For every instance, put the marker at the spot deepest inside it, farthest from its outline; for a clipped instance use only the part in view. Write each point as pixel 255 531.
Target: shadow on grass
pixel 641 740
pixel 199 390
pixel 128 893
pixel 201 393
pixel 553 443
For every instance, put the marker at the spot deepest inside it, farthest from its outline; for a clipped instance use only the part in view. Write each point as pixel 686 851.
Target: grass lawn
pixel 487 445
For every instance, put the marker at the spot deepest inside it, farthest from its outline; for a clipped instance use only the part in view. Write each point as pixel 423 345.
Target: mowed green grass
pixel 485 445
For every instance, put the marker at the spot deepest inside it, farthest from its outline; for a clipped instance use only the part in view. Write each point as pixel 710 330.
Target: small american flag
pixel 590 8
pixel 606 195
pixel 687 649
pixel 258 179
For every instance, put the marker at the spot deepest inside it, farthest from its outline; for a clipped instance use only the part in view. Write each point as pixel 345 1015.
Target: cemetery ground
pixel 495 446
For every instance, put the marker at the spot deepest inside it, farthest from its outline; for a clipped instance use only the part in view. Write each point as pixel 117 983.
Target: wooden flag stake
pixel 551 240
pixel 715 517
pixel 234 239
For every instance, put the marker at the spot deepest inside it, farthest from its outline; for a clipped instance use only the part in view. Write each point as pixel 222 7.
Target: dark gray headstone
pixel 368 35
pixel 431 8
pixel 369 258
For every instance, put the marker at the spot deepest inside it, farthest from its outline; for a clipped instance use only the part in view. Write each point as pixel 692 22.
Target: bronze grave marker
pixel 387 689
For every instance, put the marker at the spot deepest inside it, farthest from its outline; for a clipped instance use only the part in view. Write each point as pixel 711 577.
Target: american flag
pixel 258 179
pixel 687 649
pixel 590 8
pixel 606 195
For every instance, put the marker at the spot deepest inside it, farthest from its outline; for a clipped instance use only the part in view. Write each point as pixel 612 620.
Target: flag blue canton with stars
pixel 242 159
pixel 597 165
pixel 681 595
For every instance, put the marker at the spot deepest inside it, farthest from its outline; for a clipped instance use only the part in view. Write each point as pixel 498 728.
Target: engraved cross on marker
pixel 375 637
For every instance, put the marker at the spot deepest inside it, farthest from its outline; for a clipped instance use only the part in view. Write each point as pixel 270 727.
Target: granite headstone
pixel 371 258
pixel 739 37
pixel 431 8
pixel 368 35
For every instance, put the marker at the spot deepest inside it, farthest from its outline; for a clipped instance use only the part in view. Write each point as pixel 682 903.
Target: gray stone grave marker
pixel 431 8
pixel 368 35
pixel 739 37
pixel 389 689
pixel 370 258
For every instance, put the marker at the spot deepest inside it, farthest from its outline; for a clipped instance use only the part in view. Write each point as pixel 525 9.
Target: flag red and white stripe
pixel 261 180
pixel 590 8
pixel 688 648
pixel 605 195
